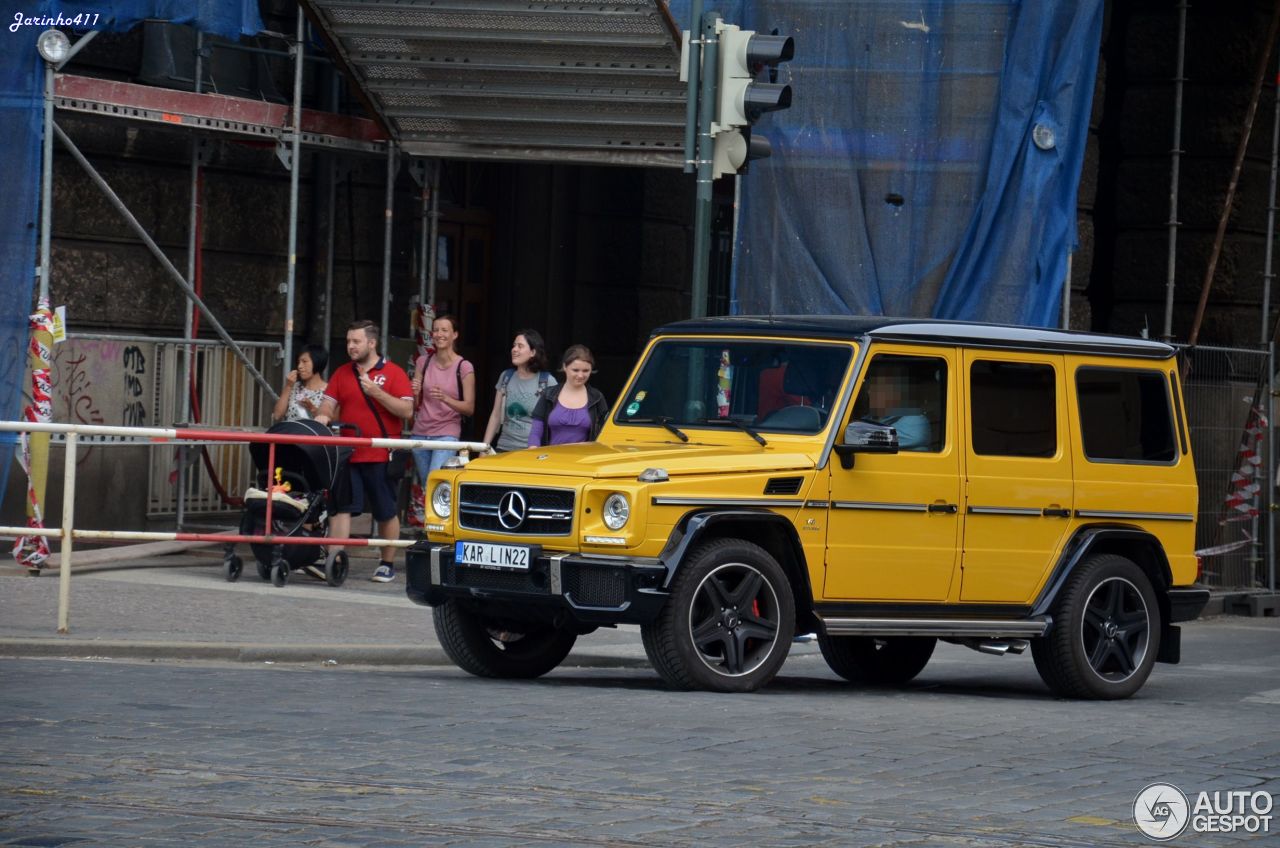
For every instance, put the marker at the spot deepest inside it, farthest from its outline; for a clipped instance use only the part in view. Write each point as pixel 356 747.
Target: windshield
pixel 769 386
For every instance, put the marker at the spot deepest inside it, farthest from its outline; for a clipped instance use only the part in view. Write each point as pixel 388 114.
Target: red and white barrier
pixel 160 435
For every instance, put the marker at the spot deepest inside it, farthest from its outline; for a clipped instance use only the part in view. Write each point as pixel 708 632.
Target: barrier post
pixel 68 521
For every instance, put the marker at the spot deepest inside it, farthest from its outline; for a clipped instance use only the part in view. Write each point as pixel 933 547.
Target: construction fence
pixel 1230 409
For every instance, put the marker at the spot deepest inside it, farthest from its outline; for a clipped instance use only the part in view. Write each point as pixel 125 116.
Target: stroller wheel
pixel 335 569
pixel 279 573
pixel 264 571
pixel 231 568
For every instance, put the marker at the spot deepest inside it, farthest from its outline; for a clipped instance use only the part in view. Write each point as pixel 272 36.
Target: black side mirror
pixel 866 437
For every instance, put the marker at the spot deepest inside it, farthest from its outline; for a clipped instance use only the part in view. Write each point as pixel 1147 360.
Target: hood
pixel 594 459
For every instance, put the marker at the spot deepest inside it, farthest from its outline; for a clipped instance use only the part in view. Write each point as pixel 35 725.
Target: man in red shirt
pixel 376 396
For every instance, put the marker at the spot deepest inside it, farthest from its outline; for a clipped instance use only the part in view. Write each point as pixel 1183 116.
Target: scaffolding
pixel 291 128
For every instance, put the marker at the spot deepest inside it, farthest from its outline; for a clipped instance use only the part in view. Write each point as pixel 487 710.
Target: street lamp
pixel 54 46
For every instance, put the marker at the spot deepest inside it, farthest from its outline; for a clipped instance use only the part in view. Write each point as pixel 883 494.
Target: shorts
pixel 365 483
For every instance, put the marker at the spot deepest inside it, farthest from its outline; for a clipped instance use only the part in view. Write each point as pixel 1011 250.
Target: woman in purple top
pixel 571 411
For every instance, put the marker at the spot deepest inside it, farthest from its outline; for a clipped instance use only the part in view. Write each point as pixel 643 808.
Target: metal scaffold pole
pixel 386 247
pixel 702 208
pixel 1176 156
pixel 295 169
pixel 434 237
pixel 188 317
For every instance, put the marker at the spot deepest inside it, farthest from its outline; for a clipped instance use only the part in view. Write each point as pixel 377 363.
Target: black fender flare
pixel 694 526
pixel 1086 541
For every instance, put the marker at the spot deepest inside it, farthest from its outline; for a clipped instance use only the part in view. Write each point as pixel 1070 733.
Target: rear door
pixel 1018 462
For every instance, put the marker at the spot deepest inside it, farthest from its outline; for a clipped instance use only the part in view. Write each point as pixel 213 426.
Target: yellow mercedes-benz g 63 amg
pixel 883 483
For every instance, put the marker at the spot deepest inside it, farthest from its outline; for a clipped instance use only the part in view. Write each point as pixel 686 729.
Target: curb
pixel 381 655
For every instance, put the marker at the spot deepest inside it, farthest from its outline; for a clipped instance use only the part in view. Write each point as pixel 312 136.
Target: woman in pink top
pixel 444 392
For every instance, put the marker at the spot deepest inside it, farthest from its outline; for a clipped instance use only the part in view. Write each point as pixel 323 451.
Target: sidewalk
pixel 179 606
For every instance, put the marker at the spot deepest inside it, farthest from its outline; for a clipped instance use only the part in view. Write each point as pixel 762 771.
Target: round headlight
pixel 617 509
pixel 442 500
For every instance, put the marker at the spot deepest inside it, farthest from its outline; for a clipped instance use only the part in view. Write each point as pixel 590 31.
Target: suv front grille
pixel 495 509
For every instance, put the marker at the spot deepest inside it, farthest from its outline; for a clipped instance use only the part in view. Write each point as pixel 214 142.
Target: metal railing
pixel 68 533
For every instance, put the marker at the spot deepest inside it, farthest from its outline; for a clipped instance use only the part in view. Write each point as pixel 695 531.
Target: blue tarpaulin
pixel 21 127
pixel 21 97
pixel 929 163
pixel 227 18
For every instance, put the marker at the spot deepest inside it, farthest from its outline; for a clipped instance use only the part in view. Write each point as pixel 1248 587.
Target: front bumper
pixel 591 590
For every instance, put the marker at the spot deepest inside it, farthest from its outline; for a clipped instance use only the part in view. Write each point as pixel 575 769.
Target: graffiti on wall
pixel 102 382
pixel 135 373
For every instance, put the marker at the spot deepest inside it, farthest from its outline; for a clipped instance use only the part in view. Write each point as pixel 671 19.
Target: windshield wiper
pixel 665 421
pixel 736 423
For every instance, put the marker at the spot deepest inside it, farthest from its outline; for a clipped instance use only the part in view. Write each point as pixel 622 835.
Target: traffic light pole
pixel 702 207
pixel 692 70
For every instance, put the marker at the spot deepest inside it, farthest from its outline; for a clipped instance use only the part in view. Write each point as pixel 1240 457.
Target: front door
pixel 894 526
pixel 1019 482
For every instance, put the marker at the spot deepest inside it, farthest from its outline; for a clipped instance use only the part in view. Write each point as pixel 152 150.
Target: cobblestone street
pixel 974 753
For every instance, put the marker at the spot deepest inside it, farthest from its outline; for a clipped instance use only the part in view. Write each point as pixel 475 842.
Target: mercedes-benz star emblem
pixel 511 509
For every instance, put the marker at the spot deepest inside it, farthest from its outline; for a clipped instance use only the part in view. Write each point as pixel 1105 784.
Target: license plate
pixel 493 556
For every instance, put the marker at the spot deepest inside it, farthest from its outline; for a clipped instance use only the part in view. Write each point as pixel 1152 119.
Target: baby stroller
pixel 309 472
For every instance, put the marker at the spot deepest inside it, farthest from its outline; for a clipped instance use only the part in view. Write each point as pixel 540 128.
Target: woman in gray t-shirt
pixel 517 392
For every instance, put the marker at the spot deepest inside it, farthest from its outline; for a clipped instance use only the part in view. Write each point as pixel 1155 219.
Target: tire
pixel 889 661
pixel 231 568
pixel 487 648
pixel 1105 635
pixel 728 624
pixel 279 573
pixel 335 568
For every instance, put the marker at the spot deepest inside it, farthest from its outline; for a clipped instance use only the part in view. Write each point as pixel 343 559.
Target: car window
pixel 1013 408
pixel 908 393
pixel 1125 415
pixel 767 385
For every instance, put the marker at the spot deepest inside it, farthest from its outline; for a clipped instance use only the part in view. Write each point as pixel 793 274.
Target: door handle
pixel 1055 512
pixel 951 509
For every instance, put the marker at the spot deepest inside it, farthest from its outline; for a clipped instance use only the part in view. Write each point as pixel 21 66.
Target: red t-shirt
pixel 344 390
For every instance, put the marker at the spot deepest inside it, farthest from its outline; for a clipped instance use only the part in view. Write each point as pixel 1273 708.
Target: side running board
pixel 960 627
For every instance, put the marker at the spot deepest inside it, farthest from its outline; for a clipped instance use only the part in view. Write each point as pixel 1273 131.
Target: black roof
pixel 922 331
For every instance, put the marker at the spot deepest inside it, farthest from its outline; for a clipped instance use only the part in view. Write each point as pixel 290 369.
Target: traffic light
pixel 743 54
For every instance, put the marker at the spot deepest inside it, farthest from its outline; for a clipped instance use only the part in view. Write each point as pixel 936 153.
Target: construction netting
pixel 929 163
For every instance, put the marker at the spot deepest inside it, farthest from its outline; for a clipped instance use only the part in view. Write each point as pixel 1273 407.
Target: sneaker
pixel 385 573
pixel 315 571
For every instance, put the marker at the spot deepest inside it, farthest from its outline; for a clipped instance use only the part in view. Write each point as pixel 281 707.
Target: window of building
pixel 1013 408
pixel 1125 415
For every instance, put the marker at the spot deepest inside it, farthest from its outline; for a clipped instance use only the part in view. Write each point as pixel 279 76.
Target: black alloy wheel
pixel 887 660
pixel 487 647
pixel 1106 632
pixel 728 624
